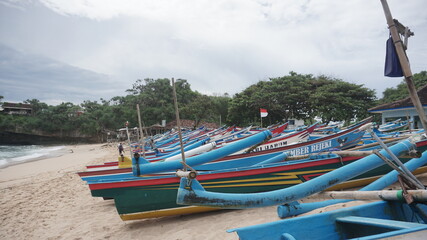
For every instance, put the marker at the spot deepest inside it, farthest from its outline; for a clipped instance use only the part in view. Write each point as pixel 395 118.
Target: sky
pixel 71 51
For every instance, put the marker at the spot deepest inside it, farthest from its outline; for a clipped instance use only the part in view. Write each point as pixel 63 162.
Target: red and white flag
pixel 263 112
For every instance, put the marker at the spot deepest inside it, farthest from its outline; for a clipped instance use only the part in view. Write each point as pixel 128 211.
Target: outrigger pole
pixel 395 28
pixel 178 123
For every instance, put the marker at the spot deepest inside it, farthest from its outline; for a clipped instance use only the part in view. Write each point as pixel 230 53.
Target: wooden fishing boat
pixel 376 220
pixel 343 139
pixel 394 126
pixel 155 195
pixel 416 166
pixel 215 139
pixel 279 140
pixel 192 193
pixel 125 166
pixel 171 165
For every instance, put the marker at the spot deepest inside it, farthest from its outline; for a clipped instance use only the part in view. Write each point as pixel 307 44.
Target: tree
pixel 401 90
pixel 220 104
pixel 96 118
pixel 336 100
pixel 244 108
pixel 200 108
pixel 289 96
pixel 155 99
pixel 37 106
pixel 301 97
pixel 283 97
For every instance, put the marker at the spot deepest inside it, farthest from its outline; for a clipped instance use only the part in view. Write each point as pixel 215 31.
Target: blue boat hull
pixel 370 221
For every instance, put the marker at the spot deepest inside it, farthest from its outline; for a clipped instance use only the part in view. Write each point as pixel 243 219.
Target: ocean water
pixel 16 154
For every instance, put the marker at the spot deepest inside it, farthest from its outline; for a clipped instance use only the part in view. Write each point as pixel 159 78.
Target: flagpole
pixel 263 113
pixel 404 63
pixel 261 120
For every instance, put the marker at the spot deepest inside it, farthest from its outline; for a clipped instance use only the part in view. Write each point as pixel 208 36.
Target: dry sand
pixel 46 199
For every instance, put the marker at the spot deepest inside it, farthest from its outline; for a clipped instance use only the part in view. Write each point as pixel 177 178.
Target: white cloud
pixel 218 46
pixel 24 76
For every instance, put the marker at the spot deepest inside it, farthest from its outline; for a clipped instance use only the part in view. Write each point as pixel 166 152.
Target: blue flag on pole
pixel 392 65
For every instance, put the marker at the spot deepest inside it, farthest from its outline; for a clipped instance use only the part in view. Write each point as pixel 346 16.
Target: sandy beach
pixel 46 199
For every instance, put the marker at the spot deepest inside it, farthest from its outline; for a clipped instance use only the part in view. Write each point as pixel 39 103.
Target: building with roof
pixel 403 109
pixel 16 108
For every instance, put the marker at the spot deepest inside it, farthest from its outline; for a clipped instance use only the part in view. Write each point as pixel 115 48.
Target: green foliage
pixel 301 97
pixel 155 99
pixel 289 95
pixel 243 108
pixel 219 108
pixel 336 100
pixel 7 122
pixel 37 106
pixel 295 96
pixel 401 90
pixel 198 109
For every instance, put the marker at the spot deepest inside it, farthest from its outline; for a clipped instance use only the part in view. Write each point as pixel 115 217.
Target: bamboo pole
pixel 376 143
pixel 408 174
pixel 141 134
pixel 178 123
pixel 127 133
pixel 389 195
pixel 404 64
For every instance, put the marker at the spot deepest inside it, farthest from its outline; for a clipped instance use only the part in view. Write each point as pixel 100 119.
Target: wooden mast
pixel 178 123
pixel 141 139
pixel 404 63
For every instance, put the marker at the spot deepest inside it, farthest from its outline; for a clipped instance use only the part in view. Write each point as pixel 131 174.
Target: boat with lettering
pixel 154 195
pixel 341 140
pixel 328 226
pixel 283 139
pixel 192 192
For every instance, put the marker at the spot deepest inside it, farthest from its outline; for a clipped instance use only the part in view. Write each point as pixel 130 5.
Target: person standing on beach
pixel 121 150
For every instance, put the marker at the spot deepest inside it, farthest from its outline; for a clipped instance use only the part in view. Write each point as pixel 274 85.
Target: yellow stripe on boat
pixel 305 172
pixel 252 179
pixel 167 212
pixel 197 209
pixel 269 183
pixel 124 162
pixel 291 177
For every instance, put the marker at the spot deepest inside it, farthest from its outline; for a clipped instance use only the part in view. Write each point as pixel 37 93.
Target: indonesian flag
pixel 263 112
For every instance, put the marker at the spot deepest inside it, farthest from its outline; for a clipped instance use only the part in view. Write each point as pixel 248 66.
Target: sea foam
pixel 10 155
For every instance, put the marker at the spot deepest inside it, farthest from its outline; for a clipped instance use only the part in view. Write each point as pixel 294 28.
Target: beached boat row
pixel 152 186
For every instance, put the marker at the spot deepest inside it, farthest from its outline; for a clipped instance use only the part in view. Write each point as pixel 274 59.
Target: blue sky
pixel 60 50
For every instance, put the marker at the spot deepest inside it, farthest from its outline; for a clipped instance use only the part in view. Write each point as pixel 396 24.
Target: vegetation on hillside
pixel 295 96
